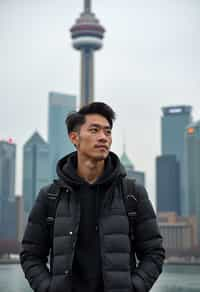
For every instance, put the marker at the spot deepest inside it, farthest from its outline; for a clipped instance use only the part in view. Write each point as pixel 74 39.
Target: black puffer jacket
pixel 118 269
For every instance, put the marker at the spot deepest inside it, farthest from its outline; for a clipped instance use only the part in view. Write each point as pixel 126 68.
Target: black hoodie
pixel 86 270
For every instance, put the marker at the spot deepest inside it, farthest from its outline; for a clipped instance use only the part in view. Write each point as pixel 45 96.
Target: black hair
pixel 76 119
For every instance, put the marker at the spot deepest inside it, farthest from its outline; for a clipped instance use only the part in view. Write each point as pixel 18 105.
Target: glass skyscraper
pixel 192 170
pixel 35 168
pixel 175 119
pixel 7 189
pixel 167 184
pixel 59 144
pixel 7 170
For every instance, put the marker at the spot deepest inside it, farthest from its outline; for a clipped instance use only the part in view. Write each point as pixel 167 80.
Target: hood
pixel 67 171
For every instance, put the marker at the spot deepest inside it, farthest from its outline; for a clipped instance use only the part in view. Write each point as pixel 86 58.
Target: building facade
pixel 35 168
pixel 7 189
pixel 192 170
pixel 59 144
pixel 179 233
pixel 20 219
pixel 7 170
pixel 167 184
pixel 174 121
pixel 8 228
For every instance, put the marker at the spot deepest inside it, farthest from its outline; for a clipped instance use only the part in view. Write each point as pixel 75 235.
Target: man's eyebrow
pixel 99 126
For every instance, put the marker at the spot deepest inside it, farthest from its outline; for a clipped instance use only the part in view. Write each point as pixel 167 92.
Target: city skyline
pixel 150 59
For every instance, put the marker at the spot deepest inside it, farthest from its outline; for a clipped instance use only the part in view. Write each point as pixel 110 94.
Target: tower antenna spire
pixel 87 5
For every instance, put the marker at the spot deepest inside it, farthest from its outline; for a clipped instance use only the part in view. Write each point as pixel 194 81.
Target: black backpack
pixel 130 201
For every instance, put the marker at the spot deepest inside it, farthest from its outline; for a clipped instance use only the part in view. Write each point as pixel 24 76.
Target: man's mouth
pixel 104 147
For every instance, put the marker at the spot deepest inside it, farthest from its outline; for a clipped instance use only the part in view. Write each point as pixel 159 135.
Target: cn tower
pixel 87 36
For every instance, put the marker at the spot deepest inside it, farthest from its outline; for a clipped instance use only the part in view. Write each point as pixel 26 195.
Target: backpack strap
pixel 53 196
pixel 130 201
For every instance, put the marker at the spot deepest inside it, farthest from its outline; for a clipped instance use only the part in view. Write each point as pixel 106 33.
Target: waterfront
pixel 176 278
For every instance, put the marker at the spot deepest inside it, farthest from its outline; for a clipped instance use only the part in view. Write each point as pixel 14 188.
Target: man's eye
pixel 108 132
pixel 93 130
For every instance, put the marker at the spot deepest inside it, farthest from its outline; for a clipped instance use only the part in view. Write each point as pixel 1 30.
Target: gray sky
pixel 150 59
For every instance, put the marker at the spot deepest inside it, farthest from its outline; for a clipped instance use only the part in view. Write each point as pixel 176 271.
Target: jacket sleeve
pixel 35 246
pixel 148 244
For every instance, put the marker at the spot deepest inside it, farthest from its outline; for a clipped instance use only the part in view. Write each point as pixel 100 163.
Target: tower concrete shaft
pixel 87 76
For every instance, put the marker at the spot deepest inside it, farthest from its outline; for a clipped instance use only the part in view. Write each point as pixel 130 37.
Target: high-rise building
pixel 59 144
pixel 139 176
pixel 35 168
pixel 7 170
pixel 167 184
pixel 192 170
pixel 87 36
pixel 8 227
pixel 7 187
pixel 174 121
pixel 20 217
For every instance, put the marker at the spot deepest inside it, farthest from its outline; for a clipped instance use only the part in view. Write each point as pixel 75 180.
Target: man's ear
pixel 73 136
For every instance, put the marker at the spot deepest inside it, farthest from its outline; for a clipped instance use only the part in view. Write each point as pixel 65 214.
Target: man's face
pixel 94 138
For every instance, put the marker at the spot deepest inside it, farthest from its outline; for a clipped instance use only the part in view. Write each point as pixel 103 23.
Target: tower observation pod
pixel 87 36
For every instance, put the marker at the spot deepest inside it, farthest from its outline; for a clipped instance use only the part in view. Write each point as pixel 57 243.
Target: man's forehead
pixel 97 120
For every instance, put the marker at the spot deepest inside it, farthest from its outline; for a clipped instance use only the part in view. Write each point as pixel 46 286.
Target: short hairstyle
pixel 76 119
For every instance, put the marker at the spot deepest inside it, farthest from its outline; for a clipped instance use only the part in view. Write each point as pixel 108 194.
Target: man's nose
pixel 102 135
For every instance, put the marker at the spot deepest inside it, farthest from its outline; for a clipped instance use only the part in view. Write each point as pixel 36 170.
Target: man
pixel 91 250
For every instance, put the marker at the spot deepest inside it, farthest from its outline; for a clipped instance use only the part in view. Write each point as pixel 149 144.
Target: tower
pixel 7 189
pixel 174 121
pixel 87 35
pixel 167 184
pixel 192 170
pixel 59 144
pixel 7 170
pixel 35 168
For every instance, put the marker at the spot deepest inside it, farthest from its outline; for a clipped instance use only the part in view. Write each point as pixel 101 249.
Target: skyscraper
pixel 59 144
pixel 7 189
pixel 87 35
pixel 8 228
pixel 35 168
pixel 167 184
pixel 20 217
pixel 7 170
pixel 192 170
pixel 174 121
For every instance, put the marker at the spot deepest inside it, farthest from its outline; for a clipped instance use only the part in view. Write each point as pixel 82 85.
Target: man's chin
pixel 101 156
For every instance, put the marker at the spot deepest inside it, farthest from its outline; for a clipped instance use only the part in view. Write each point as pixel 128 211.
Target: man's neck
pixel 89 169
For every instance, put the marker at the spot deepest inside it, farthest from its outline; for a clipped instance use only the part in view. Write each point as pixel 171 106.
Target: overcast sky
pixel 150 59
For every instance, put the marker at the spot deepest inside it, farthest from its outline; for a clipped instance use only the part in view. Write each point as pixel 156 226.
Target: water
pixel 179 278
pixel 176 278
